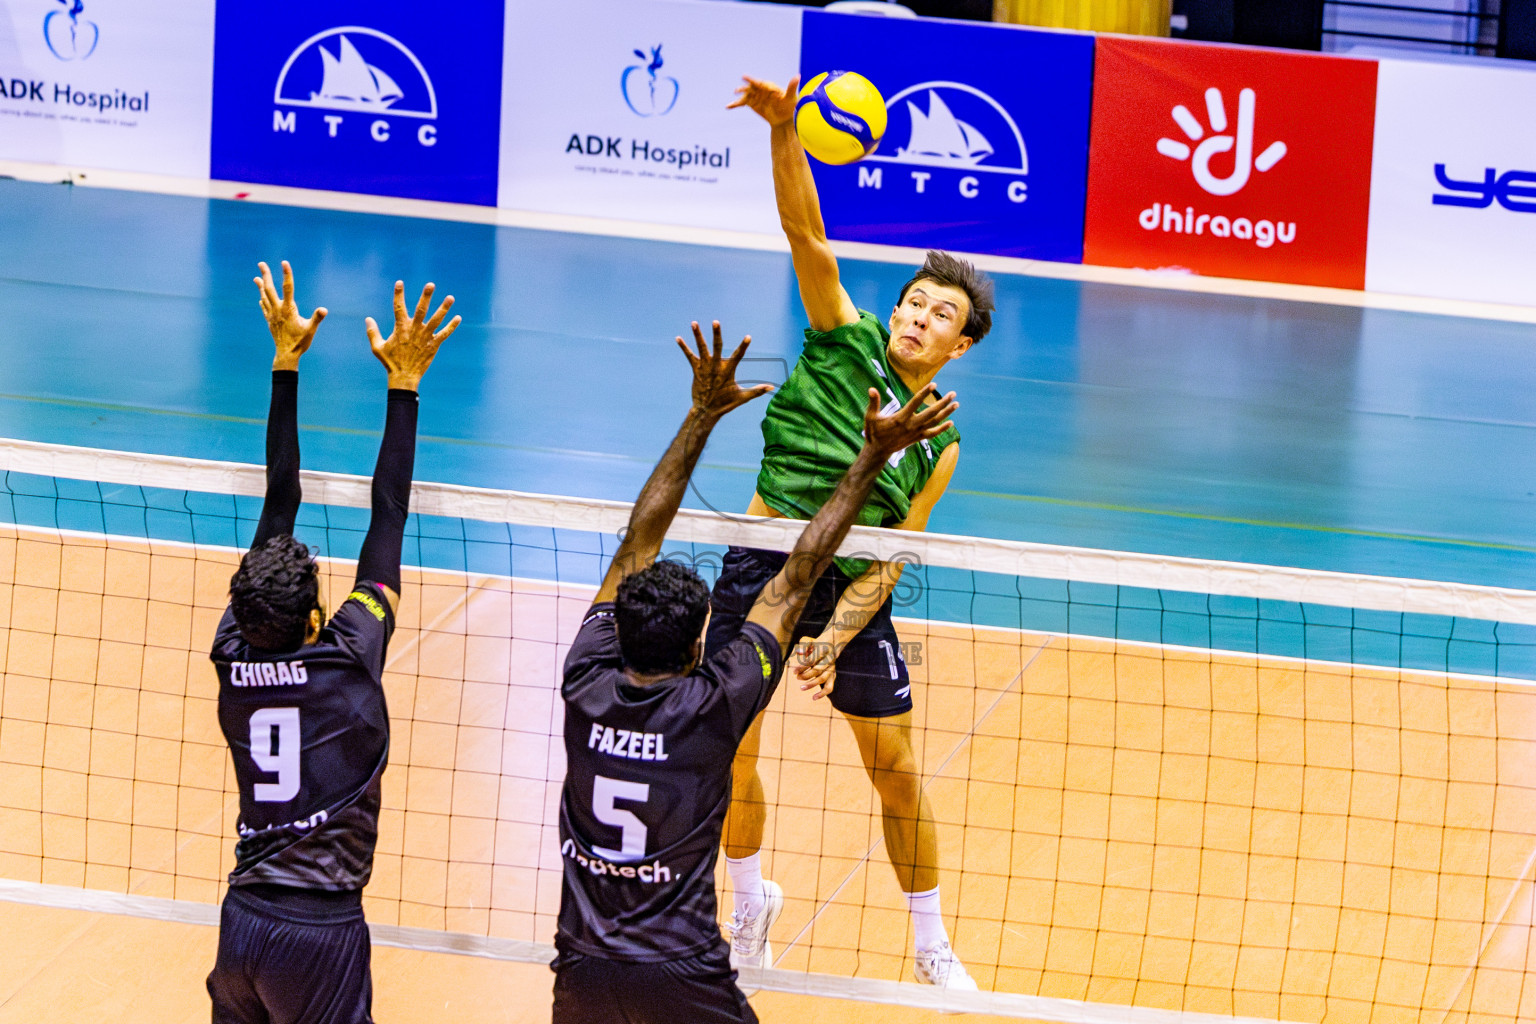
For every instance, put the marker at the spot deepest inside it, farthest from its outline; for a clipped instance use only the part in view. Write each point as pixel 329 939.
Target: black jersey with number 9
pixel 309 734
pixel 647 785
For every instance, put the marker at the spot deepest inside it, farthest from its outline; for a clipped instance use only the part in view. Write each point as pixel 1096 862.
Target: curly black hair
pixel 273 592
pixel 660 613
pixel 942 268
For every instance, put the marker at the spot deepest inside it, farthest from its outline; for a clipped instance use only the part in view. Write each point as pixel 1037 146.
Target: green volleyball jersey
pixel 814 428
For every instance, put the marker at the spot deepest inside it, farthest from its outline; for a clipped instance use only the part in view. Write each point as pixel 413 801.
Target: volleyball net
pixel 1161 784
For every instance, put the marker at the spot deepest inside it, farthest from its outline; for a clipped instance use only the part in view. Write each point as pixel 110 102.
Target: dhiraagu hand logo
pixel 1243 161
pixel 1263 232
pixel 70 37
pixel 646 92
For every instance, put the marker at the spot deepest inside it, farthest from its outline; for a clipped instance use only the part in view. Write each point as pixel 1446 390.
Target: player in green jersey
pixel 812 432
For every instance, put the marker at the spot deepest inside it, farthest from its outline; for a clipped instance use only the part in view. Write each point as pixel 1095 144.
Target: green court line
pixel 1099 506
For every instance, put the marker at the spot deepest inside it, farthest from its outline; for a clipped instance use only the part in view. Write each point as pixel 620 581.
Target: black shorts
pixel 699 990
pixel 871 673
pixel 291 957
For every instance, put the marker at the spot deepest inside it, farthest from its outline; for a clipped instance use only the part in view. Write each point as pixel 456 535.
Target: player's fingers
pixel 698 340
pixel 447 332
pixel 934 432
pixel 318 315
pixel 423 304
pixel 442 311
pixel 735 360
pixel 400 317
pixel 937 411
pixel 717 342
pixel 792 88
pixel 287 283
pixel 375 339
pixel 692 356
pixel 268 289
pixel 874 404
pixel 916 403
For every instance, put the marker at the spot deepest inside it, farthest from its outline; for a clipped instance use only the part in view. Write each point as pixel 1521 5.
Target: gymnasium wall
pixel 1390 175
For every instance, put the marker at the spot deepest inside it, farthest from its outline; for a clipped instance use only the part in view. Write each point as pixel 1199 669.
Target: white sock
pixel 746 882
pixel 927 918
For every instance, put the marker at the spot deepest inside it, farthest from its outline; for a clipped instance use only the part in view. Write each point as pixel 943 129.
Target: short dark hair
pixel 273 592
pixel 942 268
pixel 660 612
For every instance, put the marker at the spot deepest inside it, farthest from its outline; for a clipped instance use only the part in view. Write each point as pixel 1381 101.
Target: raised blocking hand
pixel 889 434
pixel 774 105
pixel 411 346
pixel 291 333
pixel 715 391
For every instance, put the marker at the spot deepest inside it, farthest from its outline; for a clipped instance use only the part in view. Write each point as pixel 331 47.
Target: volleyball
pixel 840 117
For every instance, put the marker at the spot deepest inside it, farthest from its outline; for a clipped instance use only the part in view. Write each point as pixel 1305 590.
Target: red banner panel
pixel 1230 161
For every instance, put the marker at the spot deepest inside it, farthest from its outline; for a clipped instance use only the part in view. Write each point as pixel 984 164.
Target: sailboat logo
pixel 939 137
pixel 356 69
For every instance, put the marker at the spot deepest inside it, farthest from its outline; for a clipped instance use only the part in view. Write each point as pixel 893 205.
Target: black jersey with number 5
pixel 647 785
pixel 309 734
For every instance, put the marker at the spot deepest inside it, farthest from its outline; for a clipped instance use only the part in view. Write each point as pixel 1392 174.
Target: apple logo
pixel 657 97
pixel 67 36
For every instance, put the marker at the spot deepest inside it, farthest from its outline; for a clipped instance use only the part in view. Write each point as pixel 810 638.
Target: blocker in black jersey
pixel 651 733
pixel 309 735
pixel 647 785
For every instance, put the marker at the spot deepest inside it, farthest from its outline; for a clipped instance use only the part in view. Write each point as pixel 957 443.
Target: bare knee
pixel 897 781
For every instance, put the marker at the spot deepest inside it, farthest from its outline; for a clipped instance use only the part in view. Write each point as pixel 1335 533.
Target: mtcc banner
pixel 359 97
pixel 986 145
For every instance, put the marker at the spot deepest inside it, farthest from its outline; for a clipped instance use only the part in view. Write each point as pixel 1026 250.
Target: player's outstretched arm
pixel 406 355
pixel 779 606
pixel 827 304
pixel 715 393
pixel 292 335
pixel 815 661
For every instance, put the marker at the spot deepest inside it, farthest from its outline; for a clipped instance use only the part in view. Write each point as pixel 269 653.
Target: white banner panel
pixel 618 109
pixel 1453 186
pixel 119 84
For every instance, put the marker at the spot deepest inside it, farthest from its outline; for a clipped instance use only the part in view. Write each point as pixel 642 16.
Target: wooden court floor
pixel 1120 824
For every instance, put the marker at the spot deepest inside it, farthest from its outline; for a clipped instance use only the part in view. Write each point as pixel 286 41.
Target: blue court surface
pixel 1108 416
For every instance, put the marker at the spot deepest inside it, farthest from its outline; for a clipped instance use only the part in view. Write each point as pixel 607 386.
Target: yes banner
pixel 1453 195
pixel 118 84
pixel 619 110
pixel 986 144
pixel 379 96
pixel 1230 161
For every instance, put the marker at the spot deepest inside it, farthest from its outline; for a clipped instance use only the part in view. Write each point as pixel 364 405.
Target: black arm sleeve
pixel 281 506
pixel 380 557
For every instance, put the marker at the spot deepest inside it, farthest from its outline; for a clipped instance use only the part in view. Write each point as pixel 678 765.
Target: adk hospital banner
pixel 1409 176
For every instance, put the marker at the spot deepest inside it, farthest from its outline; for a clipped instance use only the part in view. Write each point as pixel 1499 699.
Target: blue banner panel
pixel 986 149
pixel 359 96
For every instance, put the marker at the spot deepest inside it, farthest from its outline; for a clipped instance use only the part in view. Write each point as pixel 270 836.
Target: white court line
pixel 978 554
pixel 895 993
pixel 571 224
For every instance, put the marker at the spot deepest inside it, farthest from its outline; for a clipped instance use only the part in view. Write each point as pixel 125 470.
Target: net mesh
pixel 1158 783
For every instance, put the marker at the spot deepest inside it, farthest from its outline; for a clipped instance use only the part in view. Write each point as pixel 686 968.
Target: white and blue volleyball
pixel 840 117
